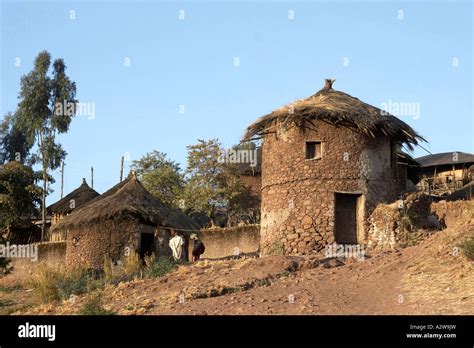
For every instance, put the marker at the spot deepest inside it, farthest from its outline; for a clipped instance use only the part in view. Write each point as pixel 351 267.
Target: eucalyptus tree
pixel 46 108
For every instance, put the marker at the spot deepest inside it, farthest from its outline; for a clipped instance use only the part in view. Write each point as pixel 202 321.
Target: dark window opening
pixel 313 149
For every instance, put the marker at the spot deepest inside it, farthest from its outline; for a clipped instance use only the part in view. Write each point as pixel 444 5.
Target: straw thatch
pixel 339 109
pixel 82 195
pixel 127 200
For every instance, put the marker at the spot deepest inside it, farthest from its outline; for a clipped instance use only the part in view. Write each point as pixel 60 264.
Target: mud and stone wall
pixel 298 194
pixel 452 212
pixel 50 253
pixel 230 241
pixel 407 222
pixel 89 246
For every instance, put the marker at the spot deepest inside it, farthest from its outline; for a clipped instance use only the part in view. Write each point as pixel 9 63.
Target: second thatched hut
pixel 126 218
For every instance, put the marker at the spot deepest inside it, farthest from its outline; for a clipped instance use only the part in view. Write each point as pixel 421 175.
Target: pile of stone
pixel 403 223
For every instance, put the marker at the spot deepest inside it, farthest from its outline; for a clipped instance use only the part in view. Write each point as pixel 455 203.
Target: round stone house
pixel 326 162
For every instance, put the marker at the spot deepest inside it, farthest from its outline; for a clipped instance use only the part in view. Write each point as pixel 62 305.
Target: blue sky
pixel 401 52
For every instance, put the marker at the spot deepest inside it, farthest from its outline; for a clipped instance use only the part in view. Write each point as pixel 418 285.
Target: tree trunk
pixel 43 206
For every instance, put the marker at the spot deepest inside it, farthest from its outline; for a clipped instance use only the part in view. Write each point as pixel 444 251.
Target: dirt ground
pixel 432 277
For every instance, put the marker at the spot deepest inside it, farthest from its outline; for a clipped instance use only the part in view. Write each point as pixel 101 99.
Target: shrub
pixel 54 284
pixel 158 267
pixel 468 248
pixel 132 265
pixel 94 306
pixel 77 281
pixel 44 283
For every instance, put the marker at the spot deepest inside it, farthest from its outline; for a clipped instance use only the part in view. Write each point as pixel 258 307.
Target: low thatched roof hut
pixel 74 200
pixel 126 217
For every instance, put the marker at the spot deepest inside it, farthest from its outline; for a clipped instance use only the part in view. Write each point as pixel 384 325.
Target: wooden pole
pixel 62 179
pixel 454 177
pixel 92 177
pixel 121 170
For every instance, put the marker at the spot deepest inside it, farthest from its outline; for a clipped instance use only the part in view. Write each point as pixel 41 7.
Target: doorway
pixel 147 244
pixel 346 217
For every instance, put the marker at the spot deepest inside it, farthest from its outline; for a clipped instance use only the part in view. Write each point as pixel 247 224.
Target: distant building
pixel 443 173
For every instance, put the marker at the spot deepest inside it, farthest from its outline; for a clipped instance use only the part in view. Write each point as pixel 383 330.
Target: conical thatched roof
pixel 339 109
pixel 128 200
pixel 82 195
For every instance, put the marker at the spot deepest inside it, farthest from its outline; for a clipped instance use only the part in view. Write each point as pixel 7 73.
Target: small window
pixel 313 149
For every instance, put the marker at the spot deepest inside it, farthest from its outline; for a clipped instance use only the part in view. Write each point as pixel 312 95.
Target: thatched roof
pixel 403 157
pixel 82 195
pixel 127 200
pixel 445 158
pixel 339 109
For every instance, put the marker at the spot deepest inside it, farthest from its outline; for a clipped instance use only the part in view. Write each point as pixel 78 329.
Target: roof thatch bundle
pixel 128 200
pixel 82 195
pixel 339 109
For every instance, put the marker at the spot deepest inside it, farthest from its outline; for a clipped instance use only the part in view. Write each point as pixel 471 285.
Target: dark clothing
pixel 198 249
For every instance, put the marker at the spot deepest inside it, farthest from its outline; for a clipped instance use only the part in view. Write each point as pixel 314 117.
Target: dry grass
pixel 468 247
pixel 445 277
pixel 50 283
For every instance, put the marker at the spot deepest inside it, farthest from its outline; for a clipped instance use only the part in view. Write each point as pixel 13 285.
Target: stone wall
pixel 225 242
pixel 51 253
pixel 298 194
pixel 89 246
pixel 452 212
pixel 407 222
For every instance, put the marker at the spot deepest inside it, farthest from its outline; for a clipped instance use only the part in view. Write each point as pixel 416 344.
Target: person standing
pixel 176 245
pixel 198 247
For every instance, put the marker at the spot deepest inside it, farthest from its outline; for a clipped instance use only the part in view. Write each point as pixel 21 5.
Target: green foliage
pixel 76 282
pixel 468 248
pixel 212 185
pixel 158 268
pixel 94 306
pixel 19 196
pixel 13 144
pixel 160 176
pixel 5 266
